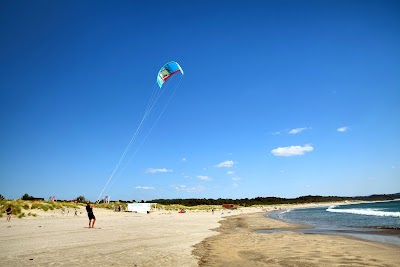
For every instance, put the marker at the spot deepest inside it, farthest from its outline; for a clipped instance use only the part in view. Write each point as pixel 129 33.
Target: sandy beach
pixel 163 239
pixel 119 238
pixel 239 245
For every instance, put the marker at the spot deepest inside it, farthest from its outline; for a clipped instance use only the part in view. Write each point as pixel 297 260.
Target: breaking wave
pixel 370 212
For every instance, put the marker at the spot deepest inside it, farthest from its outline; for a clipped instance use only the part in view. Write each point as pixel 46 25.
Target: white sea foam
pixel 371 212
pixel 283 212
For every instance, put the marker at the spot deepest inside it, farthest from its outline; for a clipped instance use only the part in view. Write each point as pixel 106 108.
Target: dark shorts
pixel 91 216
pixel 9 213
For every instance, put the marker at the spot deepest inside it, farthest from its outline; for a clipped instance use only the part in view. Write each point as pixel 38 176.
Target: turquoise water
pixel 378 221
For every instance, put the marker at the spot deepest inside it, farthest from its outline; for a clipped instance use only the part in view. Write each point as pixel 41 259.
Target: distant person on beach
pixel 92 218
pixel 9 213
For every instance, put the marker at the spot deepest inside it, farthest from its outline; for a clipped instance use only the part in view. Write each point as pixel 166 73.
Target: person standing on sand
pixel 92 218
pixel 9 213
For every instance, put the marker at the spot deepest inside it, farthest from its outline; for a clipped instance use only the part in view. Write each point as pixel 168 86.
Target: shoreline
pixel 382 234
pixel 239 244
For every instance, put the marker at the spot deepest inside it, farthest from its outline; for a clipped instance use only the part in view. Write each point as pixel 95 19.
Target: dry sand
pixel 119 238
pixel 239 245
pixel 159 239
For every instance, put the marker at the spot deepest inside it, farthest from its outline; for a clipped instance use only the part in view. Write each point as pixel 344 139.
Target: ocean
pixel 376 221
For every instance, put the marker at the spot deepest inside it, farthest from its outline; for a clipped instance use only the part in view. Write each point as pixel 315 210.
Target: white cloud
pixel 343 129
pixel 189 189
pixel 184 159
pixel 225 164
pixel 203 177
pixel 235 178
pixel 276 133
pixel 297 130
pixel 235 185
pixel 291 151
pixel 230 172
pixel 150 170
pixel 145 187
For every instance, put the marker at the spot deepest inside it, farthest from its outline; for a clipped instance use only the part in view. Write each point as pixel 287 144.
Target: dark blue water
pixel 378 221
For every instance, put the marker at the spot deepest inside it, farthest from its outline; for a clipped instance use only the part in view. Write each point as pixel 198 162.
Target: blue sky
pixel 279 98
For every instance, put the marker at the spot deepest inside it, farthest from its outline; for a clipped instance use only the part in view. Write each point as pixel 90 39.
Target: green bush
pixel 55 205
pixel 36 205
pixel 22 214
pixel 15 205
pixel 41 205
pixel 70 205
pixel 25 205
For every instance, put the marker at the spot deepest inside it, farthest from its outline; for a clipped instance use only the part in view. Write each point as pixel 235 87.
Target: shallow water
pixel 376 221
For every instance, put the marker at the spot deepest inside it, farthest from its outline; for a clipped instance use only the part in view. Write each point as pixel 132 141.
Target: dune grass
pixel 112 205
pixel 176 207
pixel 19 205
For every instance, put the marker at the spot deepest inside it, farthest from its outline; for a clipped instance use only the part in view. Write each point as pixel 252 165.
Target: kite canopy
pixel 167 71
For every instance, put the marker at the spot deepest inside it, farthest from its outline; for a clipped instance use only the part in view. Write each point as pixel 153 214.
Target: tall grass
pixel 18 205
pixel 175 207
pixel 112 205
pixel 15 206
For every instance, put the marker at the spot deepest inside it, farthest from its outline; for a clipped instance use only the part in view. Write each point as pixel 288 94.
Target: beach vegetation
pixel 266 201
pixel 21 215
pixel 15 206
pixel 71 205
pixel 175 207
pixel 1 197
pixel 36 205
pixel 113 205
pixel 55 205
pixel 32 214
pixel 41 205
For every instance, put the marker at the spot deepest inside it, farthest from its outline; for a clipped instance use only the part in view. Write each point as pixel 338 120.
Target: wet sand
pixel 238 244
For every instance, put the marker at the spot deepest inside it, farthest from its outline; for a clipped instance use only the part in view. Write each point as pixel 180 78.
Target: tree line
pixel 246 202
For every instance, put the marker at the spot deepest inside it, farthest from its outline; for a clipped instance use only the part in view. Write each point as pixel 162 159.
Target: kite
pixel 156 106
pixel 167 71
